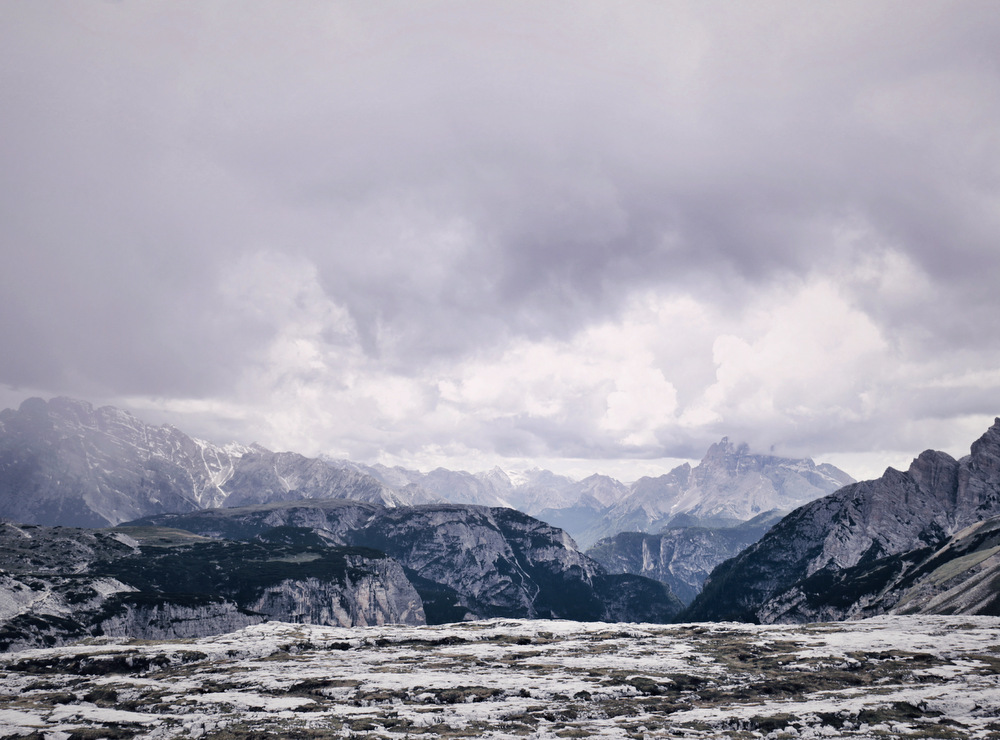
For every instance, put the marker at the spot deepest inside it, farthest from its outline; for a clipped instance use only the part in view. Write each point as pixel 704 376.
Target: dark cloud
pixel 434 186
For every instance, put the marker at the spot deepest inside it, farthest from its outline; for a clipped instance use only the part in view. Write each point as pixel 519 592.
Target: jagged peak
pixel 930 469
pixel 990 440
pixel 65 402
pixel 725 448
pixel 598 477
pixel 496 473
pixel 719 449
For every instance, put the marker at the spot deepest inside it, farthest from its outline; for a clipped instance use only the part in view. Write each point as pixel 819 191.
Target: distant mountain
pixel 536 490
pixel 63 462
pixel 729 486
pixel 681 557
pixel 484 489
pixel 530 491
pixel 895 543
pixel 466 562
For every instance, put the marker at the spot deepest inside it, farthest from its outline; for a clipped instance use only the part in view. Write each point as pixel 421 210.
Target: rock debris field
pixel 907 677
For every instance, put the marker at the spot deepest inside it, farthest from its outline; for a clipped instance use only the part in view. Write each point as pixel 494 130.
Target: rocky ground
pixel 912 677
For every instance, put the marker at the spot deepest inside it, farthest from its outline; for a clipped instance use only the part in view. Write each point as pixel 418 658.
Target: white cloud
pixel 801 356
pixel 566 229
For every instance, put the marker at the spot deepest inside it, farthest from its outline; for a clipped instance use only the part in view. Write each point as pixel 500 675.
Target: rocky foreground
pixel 913 677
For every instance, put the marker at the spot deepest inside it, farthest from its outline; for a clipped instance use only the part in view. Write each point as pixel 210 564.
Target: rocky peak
pixel 728 459
pixel 496 478
pixel 935 473
pixel 720 450
pixel 857 527
pixel 603 489
pixel 985 451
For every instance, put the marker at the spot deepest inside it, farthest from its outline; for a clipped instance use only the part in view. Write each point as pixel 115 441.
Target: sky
pixel 587 236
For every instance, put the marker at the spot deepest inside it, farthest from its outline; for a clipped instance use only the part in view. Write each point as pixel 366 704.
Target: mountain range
pixel 63 462
pixel 326 561
pixel 117 528
pixel 127 529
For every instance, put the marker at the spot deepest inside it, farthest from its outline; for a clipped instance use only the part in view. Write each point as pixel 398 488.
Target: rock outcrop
pixel 682 558
pixel 61 584
pixel 850 552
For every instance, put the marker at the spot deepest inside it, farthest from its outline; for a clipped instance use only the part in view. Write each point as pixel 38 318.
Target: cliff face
pixel 168 620
pixel 502 562
pixel 465 561
pixel 59 584
pixel 681 558
pixel 875 530
pixel 373 592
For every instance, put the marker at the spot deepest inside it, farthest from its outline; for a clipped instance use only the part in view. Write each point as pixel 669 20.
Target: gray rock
pixel 62 462
pixel 61 584
pixel 683 557
pixel 840 555
pixel 465 561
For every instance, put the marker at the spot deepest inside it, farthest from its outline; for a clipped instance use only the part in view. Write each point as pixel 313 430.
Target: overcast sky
pixel 592 236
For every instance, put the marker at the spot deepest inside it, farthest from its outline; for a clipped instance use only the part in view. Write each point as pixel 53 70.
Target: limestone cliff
pixel 465 561
pixel 59 584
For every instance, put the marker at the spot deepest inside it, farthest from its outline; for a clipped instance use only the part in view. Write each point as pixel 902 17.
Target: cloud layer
pixel 462 233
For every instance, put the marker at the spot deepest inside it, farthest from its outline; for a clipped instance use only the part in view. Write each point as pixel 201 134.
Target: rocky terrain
pixel 62 584
pixel 465 561
pixel 681 557
pixel 331 562
pixel 899 677
pixel 920 540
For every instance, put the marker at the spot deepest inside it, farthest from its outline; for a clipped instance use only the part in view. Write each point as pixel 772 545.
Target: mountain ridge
pixel 63 461
pixel 486 561
pixel 876 530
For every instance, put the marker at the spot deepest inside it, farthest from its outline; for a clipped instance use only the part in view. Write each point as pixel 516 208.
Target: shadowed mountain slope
pixel 842 554
pixel 466 561
pixel 680 557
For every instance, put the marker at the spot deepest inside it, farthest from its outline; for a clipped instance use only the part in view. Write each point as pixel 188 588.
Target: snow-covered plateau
pixel 905 677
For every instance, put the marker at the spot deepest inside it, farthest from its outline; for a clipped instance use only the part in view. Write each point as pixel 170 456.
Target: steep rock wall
pixel 865 528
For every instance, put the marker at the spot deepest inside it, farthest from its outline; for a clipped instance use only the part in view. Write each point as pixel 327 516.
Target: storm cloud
pixel 577 234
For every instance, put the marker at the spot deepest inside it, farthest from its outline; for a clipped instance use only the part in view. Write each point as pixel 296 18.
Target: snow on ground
pixel 912 677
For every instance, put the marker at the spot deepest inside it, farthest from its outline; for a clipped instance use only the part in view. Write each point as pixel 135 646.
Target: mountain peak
pixel 725 448
pixel 868 535
pixel 496 476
